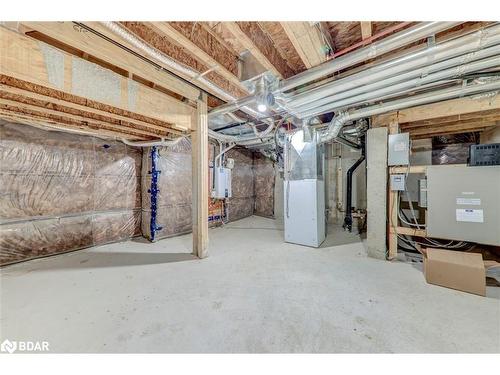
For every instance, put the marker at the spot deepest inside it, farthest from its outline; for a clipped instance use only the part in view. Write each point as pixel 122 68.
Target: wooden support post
pixel 200 179
pixel 393 128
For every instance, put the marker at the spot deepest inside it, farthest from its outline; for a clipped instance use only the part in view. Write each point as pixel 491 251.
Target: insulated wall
pixel 174 189
pixel 62 192
pixel 174 194
pixel 264 174
pixel 242 202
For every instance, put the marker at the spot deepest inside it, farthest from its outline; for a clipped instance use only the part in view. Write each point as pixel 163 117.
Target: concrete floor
pixel 253 294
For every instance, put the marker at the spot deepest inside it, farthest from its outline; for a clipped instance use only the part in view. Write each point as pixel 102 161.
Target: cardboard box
pixel 455 269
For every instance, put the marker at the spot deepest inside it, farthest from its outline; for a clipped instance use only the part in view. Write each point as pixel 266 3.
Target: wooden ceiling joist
pixel 366 29
pixel 308 42
pixel 198 41
pixel 36 69
pixel 257 42
pixel 94 45
pixel 183 56
pixel 63 125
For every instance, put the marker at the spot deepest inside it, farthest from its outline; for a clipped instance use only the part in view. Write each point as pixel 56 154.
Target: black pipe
pixel 348 211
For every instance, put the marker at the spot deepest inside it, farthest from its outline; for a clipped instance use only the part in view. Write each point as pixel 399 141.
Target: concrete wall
pixel 62 192
pixel 376 156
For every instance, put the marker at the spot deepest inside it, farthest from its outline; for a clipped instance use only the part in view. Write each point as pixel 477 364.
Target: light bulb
pixel 262 107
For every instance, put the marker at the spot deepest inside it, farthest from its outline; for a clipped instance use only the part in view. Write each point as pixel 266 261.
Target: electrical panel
pixel 463 203
pixel 397 182
pixel 487 154
pixel 222 183
pixel 399 149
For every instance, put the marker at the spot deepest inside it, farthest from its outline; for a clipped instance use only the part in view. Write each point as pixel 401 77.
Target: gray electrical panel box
pixel 463 203
pixel 397 182
pixel 399 149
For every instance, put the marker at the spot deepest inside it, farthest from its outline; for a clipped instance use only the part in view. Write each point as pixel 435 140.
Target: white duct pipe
pixel 442 75
pixel 338 121
pixel 403 38
pixel 161 142
pixel 415 64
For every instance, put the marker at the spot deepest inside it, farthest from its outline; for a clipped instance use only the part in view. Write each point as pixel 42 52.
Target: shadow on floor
pixel 336 236
pixel 111 259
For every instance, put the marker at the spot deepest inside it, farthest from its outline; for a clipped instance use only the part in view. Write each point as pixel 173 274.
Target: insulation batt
pixel 62 192
pixel 264 172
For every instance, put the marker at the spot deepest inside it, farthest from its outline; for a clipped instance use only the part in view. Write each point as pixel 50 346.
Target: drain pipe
pixel 348 211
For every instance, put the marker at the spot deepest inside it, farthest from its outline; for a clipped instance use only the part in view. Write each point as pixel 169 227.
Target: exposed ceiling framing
pixel 166 99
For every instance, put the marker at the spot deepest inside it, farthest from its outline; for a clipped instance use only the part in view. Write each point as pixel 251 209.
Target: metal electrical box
pixel 399 149
pixel 463 203
pixel 397 182
pixel 222 183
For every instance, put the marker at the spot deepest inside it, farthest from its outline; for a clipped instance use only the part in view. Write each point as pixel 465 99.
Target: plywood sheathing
pixel 195 32
pixel 283 45
pixel 253 38
pixel 179 54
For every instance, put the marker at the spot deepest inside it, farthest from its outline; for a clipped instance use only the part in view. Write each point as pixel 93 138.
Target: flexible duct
pixel 339 120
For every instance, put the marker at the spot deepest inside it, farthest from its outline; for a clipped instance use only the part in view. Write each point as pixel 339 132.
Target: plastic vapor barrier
pixel 264 172
pixel 172 212
pixel 242 202
pixel 62 192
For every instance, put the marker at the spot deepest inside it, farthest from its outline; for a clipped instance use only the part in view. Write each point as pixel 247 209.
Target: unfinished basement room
pixel 250 186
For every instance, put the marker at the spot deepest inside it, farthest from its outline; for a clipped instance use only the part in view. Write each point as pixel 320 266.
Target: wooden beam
pixel 366 29
pixel 170 48
pixel 412 169
pixel 99 47
pixel 203 45
pixel 409 231
pixel 255 40
pixel 41 121
pixel 63 118
pixel 28 97
pixel 458 127
pixel 449 108
pixel 200 179
pixel 307 41
pixel 39 64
